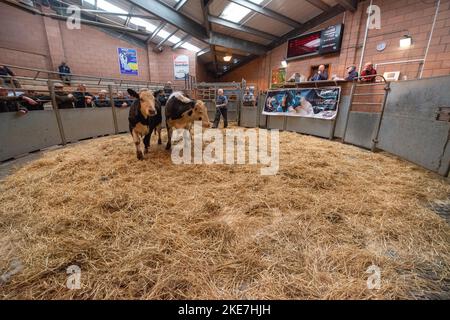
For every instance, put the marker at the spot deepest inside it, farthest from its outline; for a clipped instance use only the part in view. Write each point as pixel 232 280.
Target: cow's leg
pixel 147 141
pixel 169 137
pixel 158 129
pixel 137 143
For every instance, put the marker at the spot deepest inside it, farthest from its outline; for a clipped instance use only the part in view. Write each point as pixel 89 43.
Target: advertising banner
pixel 128 61
pixel 181 66
pixel 318 103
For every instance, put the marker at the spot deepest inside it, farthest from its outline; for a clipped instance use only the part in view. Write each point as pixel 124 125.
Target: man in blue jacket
pixel 64 73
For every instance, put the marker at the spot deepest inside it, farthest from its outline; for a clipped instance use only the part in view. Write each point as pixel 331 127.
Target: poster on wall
pixel 181 66
pixel 279 76
pixel 318 103
pixel 128 61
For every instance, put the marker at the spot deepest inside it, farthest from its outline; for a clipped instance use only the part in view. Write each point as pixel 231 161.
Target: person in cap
pixel 102 101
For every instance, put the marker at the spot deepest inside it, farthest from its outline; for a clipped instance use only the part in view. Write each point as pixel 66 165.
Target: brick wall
pixel 413 17
pixel 39 42
pixel 161 64
pixel 22 46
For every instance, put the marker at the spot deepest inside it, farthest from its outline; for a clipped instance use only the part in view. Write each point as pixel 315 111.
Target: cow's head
pixel 200 113
pixel 146 101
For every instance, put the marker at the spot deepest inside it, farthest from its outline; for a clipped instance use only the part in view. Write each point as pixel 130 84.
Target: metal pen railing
pixel 78 78
pixel 353 94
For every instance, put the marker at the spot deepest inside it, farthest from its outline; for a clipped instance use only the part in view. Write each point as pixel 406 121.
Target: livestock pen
pixel 156 230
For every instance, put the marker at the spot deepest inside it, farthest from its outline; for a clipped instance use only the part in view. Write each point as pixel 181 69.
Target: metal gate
pixel 415 124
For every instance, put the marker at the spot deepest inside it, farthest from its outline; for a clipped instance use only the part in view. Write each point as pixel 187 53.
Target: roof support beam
pixel 268 13
pixel 349 4
pixel 313 23
pixel 241 28
pixel 161 43
pixel 205 9
pixel 171 16
pixel 206 50
pixel 219 39
pixel 319 4
pixel 181 42
pixel 178 7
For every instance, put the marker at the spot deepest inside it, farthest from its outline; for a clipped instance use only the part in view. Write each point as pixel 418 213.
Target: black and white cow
pixel 144 118
pixel 181 112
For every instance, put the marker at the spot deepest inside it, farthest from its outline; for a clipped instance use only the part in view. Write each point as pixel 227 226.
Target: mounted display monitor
pixel 321 42
pixel 304 45
pixel 331 39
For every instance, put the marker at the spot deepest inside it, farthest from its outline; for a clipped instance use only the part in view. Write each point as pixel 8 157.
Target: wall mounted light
pixel 406 41
pixel 284 63
pixel 227 58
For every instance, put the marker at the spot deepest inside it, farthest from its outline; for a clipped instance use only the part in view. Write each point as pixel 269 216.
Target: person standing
pixel 64 73
pixel 221 109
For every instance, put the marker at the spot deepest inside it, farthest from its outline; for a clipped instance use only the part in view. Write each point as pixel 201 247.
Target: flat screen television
pixel 305 45
pixel 321 42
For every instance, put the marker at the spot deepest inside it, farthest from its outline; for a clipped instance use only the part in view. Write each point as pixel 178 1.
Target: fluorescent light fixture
pixel 406 42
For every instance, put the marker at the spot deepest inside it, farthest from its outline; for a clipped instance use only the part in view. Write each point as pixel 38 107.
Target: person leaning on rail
pixel 83 99
pixel 102 101
pixel 121 101
pixel 11 103
pixel 369 73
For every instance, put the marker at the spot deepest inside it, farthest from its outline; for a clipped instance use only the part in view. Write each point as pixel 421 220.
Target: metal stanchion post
pixel 51 88
pixel 113 108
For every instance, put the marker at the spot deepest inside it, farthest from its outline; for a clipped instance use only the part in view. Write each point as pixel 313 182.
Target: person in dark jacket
pixel 83 99
pixel 65 73
pixel 352 74
pixel 12 103
pixel 32 101
pixel 102 101
pixel 121 101
pixel 161 97
pixel 321 74
pixel 221 105
pixel 7 77
pixel 64 100
pixel 168 90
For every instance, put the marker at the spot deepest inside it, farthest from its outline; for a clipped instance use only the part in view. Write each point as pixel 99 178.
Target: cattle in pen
pixel 144 118
pixel 181 112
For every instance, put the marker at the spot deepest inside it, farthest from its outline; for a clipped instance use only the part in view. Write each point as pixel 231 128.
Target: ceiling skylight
pixel 106 6
pixel 235 13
